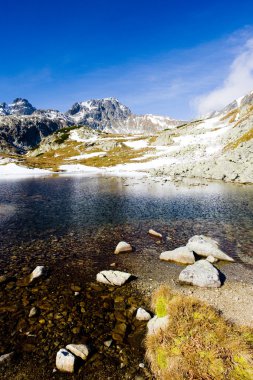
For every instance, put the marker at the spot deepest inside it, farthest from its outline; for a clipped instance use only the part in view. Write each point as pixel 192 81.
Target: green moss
pixel 162 358
pixel 161 307
pixel 242 370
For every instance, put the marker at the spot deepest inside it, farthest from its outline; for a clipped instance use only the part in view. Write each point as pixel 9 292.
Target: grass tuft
pixel 197 343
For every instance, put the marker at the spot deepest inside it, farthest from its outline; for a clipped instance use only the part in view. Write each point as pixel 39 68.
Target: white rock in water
pixel 212 259
pixel 113 277
pixel 37 272
pixel 142 315
pixel 205 246
pixel 33 312
pixel 157 324
pixel 6 358
pixel 65 361
pixel 80 350
pixel 123 247
pixel 180 255
pixel 154 233
pixel 202 274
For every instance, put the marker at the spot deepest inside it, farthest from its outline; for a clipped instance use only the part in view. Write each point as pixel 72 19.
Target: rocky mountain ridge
pixel 22 126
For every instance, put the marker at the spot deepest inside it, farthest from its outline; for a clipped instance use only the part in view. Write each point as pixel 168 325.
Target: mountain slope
pixel 219 147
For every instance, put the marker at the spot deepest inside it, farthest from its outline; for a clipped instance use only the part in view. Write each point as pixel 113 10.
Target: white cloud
pixel 238 82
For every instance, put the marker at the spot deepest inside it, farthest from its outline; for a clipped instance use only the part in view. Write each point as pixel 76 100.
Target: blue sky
pixel 177 58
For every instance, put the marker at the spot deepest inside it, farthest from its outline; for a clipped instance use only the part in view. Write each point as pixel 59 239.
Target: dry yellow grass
pixel 53 159
pixel 198 344
pixel 244 138
pixel 230 115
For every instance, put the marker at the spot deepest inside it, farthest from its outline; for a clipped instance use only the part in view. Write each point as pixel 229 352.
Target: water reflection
pixel 34 208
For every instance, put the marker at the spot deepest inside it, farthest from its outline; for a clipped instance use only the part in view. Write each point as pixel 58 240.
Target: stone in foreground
pixel 180 255
pixel 142 315
pixel 37 272
pixel 205 246
pixel 155 233
pixel 80 350
pixel 123 247
pixel 65 361
pixel 157 324
pixel 202 274
pixel 113 277
pixel 6 358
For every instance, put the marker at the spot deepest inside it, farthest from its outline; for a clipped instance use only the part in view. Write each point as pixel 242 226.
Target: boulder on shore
pixel 205 246
pixel 113 277
pixel 202 274
pixel 123 247
pixel 180 255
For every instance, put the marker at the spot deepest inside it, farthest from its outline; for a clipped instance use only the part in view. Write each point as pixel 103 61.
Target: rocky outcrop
pixel 21 133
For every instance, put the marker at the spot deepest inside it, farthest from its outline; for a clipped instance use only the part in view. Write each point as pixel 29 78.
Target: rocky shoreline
pixel 68 306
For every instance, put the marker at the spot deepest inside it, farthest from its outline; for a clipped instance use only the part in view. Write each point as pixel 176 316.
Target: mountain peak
pixel 19 106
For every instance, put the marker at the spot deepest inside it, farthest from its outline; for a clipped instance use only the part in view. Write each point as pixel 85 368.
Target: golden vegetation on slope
pixel 197 344
pixel 230 115
pixel 116 156
pixel 61 155
pixel 244 138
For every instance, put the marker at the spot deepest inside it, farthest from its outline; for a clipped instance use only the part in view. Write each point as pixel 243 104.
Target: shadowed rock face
pixel 98 113
pixel 19 134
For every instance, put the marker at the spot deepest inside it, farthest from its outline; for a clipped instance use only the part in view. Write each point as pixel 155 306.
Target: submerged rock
pixel 80 350
pixel 33 312
pixel 65 361
pixel 205 246
pixel 155 233
pixel 39 271
pixel 111 277
pixel 180 255
pixel 202 274
pixel 123 247
pixel 142 315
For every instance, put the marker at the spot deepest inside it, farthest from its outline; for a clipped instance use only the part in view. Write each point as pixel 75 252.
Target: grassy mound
pixel 198 344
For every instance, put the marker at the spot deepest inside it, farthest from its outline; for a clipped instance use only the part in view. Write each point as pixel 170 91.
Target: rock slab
pixel 202 274
pixel 180 255
pixel 113 277
pixel 205 246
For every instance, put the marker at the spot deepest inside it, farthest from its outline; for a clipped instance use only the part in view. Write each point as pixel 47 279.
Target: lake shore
pixel 76 254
